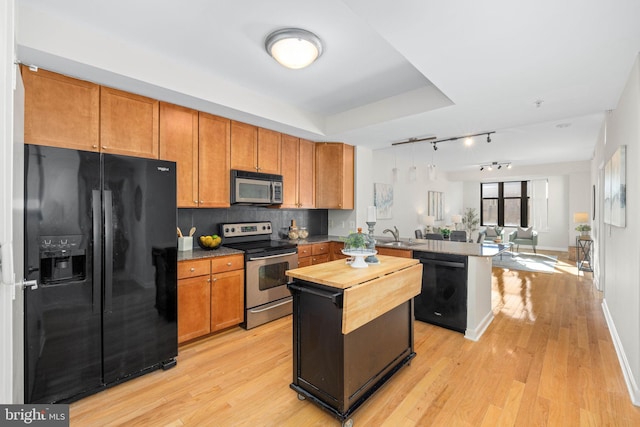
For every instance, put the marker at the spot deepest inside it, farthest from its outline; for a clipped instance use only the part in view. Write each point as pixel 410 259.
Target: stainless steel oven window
pixel 272 275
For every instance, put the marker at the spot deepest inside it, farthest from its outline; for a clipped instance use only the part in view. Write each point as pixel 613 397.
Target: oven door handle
pixel 272 256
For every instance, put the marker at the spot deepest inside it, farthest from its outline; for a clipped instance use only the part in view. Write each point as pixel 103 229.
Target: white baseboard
pixel 632 385
pixel 475 334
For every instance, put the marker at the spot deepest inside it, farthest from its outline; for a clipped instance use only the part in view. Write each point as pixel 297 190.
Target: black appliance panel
pixel 140 324
pixel 59 254
pixel 443 298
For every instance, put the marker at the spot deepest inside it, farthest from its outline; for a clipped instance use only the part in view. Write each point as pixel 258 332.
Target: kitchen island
pixel 352 329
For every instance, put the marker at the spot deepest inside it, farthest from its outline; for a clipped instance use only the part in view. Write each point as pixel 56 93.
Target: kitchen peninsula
pixel 352 329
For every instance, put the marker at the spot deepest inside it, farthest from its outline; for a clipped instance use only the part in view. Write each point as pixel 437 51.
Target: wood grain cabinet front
pixel 128 123
pixel 60 111
pixel 210 295
pixel 199 143
pixel 298 173
pixel 255 149
pixel 334 175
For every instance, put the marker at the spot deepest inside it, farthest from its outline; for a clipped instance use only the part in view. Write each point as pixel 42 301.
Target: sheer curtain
pixel 539 200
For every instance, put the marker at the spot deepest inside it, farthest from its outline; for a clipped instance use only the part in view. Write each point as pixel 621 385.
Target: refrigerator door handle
pixel 96 213
pixel 108 250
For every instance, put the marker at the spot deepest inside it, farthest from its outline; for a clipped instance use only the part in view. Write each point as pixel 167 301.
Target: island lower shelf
pixel 350 338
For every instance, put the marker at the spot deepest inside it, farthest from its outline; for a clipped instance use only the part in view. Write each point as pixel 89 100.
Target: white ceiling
pixel 390 70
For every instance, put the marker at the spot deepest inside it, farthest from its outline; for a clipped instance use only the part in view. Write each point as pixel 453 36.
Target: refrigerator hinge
pixel 31 284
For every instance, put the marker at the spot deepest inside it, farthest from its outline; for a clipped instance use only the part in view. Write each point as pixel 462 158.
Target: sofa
pixel 524 236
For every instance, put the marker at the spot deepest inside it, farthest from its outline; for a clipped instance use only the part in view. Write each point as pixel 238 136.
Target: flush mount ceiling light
pixel 293 47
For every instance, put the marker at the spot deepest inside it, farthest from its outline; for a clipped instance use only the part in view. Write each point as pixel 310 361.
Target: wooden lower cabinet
pixel 194 310
pixel 227 299
pixel 313 253
pixel 401 253
pixel 210 295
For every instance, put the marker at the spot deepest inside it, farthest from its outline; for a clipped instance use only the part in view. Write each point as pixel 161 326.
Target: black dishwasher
pixel 443 298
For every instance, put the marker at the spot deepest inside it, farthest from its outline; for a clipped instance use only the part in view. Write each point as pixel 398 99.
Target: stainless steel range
pixel 266 261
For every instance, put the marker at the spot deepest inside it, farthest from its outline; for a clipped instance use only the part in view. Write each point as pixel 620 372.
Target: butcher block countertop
pixel 339 274
pixel 367 292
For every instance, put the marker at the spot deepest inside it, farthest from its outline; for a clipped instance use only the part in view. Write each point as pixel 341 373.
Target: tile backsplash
pixel 207 221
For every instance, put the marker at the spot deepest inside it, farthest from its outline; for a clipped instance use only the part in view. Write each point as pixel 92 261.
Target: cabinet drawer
pixel 319 259
pixel 194 268
pixel 304 251
pixel 320 248
pixel 227 263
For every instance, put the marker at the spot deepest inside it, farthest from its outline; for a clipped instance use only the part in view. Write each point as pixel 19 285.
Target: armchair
pixel 524 236
pixel 491 233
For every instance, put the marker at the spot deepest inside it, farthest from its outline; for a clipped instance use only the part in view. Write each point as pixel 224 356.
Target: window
pixel 506 204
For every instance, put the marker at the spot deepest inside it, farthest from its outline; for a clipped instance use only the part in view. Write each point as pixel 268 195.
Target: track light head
pixel 435 147
pixel 499 166
pixel 481 168
pixel 488 137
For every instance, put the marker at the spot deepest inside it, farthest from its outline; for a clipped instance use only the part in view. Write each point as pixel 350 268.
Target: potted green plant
pixel 445 232
pixel 356 241
pixel 470 221
pixel 584 230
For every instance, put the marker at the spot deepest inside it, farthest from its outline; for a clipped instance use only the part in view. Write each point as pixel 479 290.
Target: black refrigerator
pixel 100 243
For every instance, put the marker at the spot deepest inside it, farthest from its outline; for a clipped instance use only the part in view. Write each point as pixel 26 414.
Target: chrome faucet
pixel 396 233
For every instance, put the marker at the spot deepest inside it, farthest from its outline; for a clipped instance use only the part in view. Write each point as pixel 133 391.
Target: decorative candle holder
pixel 371 259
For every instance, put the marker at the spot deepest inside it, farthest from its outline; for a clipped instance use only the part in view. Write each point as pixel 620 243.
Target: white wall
pixel 619 248
pixel 409 195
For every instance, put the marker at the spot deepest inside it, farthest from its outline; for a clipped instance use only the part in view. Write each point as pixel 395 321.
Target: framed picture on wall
pixel 383 200
pixel 435 205
pixel 615 188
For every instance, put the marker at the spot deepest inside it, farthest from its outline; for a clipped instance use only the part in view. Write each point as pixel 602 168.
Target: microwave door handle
pixel 272 191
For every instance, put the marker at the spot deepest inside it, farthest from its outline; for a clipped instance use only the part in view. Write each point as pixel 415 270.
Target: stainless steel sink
pixel 393 243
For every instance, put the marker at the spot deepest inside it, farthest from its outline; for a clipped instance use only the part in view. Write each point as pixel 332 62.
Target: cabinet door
pixel 334 175
pixel 179 143
pixel 214 161
pixel 244 146
pixel 402 253
pixel 60 111
pixel 290 170
pixel 269 147
pixel 306 174
pixel 194 311
pixel 128 124
pixel 227 299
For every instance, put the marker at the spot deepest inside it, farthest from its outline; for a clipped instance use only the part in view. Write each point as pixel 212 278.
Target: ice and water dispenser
pixel 62 259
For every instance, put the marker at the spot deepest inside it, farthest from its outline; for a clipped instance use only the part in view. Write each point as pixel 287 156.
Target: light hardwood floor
pixel 547 359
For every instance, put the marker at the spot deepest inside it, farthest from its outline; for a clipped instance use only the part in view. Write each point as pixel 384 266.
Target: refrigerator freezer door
pixel 63 315
pixel 140 326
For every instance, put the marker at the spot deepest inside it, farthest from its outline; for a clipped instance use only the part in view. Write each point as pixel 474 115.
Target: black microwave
pixel 254 188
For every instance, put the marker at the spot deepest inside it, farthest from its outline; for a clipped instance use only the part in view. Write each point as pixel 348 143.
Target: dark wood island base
pixel 341 358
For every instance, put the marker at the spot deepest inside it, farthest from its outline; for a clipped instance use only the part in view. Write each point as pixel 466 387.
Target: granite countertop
pixel 423 245
pixel 198 253
pixel 437 246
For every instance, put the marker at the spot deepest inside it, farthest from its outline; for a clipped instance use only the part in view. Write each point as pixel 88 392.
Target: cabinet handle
pixel 192 269
pixel 208 280
pixel 94 146
pixel 228 264
pixel 201 201
pixel 215 279
pixel 104 147
pixel 195 201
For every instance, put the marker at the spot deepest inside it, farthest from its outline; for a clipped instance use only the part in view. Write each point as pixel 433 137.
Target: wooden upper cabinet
pixel 244 146
pixel 179 143
pixel 307 175
pixel 269 151
pixel 214 167
pixel 290 170
pixel 128 123
pixel 298 173
pixel 60 111
pixel 255 149
pixel 334 175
